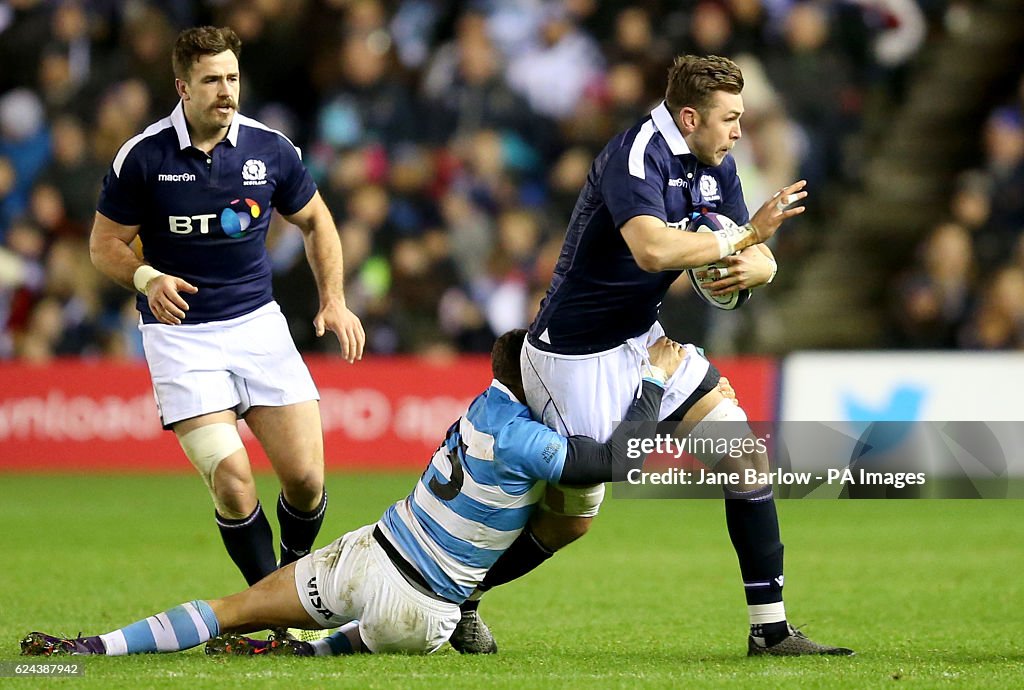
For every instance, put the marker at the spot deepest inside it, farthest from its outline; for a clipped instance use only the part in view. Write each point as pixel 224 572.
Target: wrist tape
pixel 144 274
pixel 730 239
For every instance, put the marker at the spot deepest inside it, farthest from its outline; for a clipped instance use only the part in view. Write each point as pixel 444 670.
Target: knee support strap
pixel 573 501
pixel 721 430
pixel 206 447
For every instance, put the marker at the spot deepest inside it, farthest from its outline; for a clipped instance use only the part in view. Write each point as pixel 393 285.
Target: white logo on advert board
pixel 709 188
pixel 254 172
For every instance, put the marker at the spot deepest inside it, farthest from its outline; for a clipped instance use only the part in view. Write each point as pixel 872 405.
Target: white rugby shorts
pixel 589 394
pixel 225 365
pixel 352 578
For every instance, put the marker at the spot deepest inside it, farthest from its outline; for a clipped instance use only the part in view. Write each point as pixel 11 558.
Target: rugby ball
pixel 709 222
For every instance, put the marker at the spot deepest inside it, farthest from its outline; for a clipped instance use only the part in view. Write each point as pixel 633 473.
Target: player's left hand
pixel 748 269
pixel 343 323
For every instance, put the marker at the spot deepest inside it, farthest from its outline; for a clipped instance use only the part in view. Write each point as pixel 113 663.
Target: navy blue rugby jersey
pixel 204 217
pixel 598 296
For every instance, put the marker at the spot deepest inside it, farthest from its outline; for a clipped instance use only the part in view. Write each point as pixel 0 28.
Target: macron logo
pixel 677 182
pixel 182 177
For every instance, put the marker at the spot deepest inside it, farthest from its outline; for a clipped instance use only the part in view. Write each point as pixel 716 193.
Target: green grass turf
pixel 930 593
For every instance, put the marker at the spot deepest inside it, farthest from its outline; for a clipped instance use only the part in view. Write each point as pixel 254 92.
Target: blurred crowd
pixel 450 140
pixel 966 287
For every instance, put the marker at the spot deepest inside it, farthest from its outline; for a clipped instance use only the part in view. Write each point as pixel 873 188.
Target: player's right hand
pixel 165 300
pixel 666 354
pixel 726 389
pixel 777 209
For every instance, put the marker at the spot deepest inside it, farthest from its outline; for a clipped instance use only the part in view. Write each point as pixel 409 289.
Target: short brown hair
pixel 198 41
pixel 692 79
pixel 505 358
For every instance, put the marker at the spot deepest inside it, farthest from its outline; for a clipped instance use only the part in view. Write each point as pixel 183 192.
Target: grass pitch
pixel 929 593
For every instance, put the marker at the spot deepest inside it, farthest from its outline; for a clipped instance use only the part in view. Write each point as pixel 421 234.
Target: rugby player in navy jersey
pixel 623 248
pixel 396 585
pixel 197 188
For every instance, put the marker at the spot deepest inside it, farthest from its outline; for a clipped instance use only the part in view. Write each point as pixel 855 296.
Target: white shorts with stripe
pixel 225 365
pixel 589 394
pixel 352 578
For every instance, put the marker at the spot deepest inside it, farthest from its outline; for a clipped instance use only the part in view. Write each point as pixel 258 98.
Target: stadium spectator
pixel 73 173
pixel 24 150
pixel 503 292
pixel 554 73
pixel 816 85
pixel 22 277
pixel 476 97
pixel 24 33
pixel 972 201
pixel 1004 151
pixel 369 104
pixel 933 301
pixel 711 30
pixel 998 323
pixel 634 41
pixel 749 26
pixel 941 306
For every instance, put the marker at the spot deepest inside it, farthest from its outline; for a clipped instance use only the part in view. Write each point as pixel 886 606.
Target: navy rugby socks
pixel 298 528
pixel 754 530
pixel 250 543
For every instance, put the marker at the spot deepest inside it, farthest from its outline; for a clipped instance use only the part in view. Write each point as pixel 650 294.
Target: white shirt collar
pixel 495 383
pixel 664 123
pixel 181 127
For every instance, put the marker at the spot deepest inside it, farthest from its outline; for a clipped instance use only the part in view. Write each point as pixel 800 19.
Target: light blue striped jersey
pixel 476 494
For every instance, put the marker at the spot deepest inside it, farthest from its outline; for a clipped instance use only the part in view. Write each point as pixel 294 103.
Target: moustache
pixel 226 104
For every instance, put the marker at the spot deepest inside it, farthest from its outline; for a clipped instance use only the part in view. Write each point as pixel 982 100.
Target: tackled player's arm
pixel 589 462
pixel 323 251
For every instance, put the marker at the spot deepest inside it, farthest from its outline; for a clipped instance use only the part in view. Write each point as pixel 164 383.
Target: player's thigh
pixel 273 602
pixel 590 394
pixel 267 369
pixel 579 394
pixel 335 581
pixel 189 373
pixel 292 437
pixel 397 618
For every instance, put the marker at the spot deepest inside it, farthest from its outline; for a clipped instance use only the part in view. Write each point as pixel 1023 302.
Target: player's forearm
pixel 590 462
pixel 691 250
pixel 658 247
pixel 676 253
pixel 114 258
pixel 323 251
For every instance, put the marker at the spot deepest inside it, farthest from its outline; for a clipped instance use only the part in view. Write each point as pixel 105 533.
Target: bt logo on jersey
pixel 182 225
pixel 233 223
